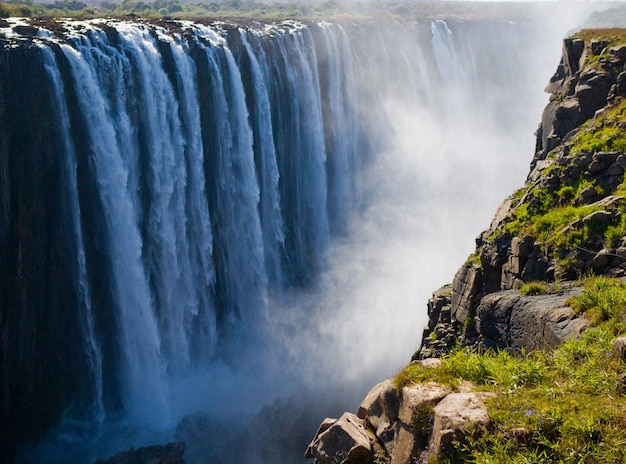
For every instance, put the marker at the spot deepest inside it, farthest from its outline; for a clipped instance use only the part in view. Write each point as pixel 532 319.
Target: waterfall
pixel 272 224
pixel 92 350
pixel 237 215
pixel 138 336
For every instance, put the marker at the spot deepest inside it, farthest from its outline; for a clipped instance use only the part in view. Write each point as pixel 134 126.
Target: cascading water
pixel 88 336
pixel 236 214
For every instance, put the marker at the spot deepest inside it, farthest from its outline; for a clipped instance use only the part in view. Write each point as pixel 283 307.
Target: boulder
pixel 429 416
pixel 598 217
pixel 415 397
pixel 454 415
pixel 603 260
pixel 588 194
pixel 341 441
pixel 541 321
pixel 380 410
pixel 619 348
pixel 493 317
pixel 380 404
pixel 414 427
pixel 509 320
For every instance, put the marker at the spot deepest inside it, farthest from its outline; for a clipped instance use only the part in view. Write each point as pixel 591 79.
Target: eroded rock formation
pixel 480 308
pixel 400 425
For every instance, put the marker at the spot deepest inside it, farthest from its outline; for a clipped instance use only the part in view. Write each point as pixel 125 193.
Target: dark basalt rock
pixel 26 30
pixel 509 321
pixel 172 453
pixel 578 93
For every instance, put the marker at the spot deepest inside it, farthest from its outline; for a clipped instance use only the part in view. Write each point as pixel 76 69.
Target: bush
pixel 540 288
pixel 603 301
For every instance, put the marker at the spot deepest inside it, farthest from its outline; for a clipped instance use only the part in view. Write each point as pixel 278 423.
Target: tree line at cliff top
pixel 280 10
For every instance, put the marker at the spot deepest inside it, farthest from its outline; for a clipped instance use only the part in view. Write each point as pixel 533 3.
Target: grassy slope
pixel 546 213
pixel 559 406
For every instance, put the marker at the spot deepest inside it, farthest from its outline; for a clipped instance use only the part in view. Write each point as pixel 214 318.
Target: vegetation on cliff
pixel 556 206
pixel 523 359
pixel 554 406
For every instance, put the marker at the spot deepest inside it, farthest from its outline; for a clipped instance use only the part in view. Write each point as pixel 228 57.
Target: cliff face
pixel 565 222
pixel 35 282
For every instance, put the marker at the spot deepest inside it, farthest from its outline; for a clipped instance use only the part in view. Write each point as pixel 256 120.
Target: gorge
pixel 204 224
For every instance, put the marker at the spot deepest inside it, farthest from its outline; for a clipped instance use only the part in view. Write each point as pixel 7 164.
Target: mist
pixel 455 149
pixel 458 147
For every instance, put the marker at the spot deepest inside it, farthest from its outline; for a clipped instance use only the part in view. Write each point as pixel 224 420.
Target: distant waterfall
pixel 172 193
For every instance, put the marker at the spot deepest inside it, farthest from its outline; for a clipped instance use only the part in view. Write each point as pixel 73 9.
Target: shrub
pixel 603 301
pixel 534 288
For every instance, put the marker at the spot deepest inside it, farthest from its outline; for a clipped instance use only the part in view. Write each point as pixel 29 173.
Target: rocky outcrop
pixel 172 453
pixel 398 426
pixel 381 407
pixel 578 91
pixel 440 332
pixel 508 320
pixel 455 415
pixel 480 309
pixel 345 439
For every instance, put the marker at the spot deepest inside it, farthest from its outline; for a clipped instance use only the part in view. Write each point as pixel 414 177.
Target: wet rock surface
pixel 172 453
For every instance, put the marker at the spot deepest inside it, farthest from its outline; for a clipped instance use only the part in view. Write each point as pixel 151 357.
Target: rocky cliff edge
pixel 566 222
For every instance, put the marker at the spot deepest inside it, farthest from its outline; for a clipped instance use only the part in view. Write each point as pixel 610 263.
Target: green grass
pixel 607 138
pixel 560 230
pixel 613 36
pixel 553 406
pixel 559 406
pixel 545 212
pixel 603 133
pixel 614 233
pixel 540 288
pixel 603 301
pixel 552 212
pixel 474 258
pixel 415 373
